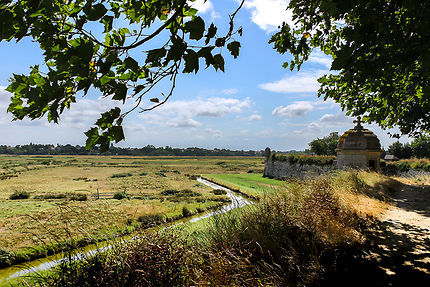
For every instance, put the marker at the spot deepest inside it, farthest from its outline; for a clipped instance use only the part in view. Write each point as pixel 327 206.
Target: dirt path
pixel 400 242
pixel 399 249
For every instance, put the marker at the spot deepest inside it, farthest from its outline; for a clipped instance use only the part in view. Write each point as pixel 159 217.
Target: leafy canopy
pixel 325 146
pixel 381 56
pixel 87 45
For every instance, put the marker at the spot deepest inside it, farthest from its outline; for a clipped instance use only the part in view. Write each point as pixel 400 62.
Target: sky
pixel 254 104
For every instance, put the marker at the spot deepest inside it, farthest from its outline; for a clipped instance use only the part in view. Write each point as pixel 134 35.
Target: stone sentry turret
pixel 359 148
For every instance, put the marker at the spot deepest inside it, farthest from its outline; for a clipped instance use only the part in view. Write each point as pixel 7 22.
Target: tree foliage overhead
pixel 381 56
pixel 88 44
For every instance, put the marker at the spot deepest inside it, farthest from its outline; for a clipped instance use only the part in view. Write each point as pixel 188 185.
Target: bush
pixel 168 192
pixel 19 195
pixel 151 219
pixel 79 197
pixel 303 159
pixel 117 175
pixel 160 173
pixel 68 195
pixel 186 212
pixel 219 192
pixel 6 258
pixel 121 195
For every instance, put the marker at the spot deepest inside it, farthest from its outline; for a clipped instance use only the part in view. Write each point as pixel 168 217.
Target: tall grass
pixel 298 237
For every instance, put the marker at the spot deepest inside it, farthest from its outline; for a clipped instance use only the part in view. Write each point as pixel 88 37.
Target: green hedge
pixel 303 159
pixel 406 165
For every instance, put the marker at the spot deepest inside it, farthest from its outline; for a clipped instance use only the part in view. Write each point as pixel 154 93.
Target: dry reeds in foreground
pixel 294 238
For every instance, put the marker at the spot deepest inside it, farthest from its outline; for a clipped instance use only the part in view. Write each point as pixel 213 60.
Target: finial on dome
pixel 358 123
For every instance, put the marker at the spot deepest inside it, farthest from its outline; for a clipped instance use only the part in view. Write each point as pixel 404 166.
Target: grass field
pixel 249 183
pixel 63 190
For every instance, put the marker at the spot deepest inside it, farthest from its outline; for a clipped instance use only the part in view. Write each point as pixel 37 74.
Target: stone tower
pixel 359 148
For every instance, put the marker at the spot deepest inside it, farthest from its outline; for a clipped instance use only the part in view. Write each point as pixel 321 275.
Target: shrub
pixel 6 258
pixel 303 159
pixel 117 175
pixel 79 197
pixel 68 195
pixel 121 195
pixel 219 192
pixel 151 219
pixel 160 173
pixel 19 195
pixel 186 212
pixel 168 192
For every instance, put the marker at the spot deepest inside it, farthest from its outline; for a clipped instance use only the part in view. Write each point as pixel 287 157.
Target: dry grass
pixel 27 223
pixel 365 193
pixel 296 237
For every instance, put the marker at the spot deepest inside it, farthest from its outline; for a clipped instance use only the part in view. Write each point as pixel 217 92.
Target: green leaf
pixel 177 50
pixel 234 48
pixel 154 56
pixel 220 42
pixel 117 133
pixel 120 93
pixel 108 23
pixel 191 62
pixel 96 12
pixel 219 62
pixel 211 33
pixel 206 52
pixel 104 80
pixel 92 138
pixel 196 28
pixel 131 64
pixel 155 100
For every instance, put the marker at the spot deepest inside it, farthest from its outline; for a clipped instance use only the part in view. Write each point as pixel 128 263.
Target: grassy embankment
pixel 250 184
pixel 300 235
pixel 62 209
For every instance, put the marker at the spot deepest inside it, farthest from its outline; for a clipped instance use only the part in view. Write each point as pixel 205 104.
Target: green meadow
pixel 48 200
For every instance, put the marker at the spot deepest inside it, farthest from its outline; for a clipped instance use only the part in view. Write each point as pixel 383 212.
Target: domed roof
pixel 359 138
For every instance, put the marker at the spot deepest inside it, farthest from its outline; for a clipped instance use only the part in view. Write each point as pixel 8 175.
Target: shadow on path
pixel 398 249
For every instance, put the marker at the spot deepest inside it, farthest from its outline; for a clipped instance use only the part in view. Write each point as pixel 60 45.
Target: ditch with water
pixel 49 262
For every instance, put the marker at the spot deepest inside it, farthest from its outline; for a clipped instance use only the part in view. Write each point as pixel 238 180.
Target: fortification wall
pixel 284 170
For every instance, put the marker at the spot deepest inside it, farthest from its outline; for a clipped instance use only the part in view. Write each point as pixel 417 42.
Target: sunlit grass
pixel 31 222
pixel 249 183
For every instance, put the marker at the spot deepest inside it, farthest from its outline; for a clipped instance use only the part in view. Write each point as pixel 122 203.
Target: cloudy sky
pixel 254 104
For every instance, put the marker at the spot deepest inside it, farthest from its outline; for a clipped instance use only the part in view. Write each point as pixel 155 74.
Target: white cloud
pixel 181 122
pixel 297 109
pixel 331 120
pixel 202 6
pixel 82 114
pixel 302 82
pixel 214 132
pixel 335 119
pixel 230 91
pixel 181 113
pixel 320 58
pixel 269 14
pixel 254 117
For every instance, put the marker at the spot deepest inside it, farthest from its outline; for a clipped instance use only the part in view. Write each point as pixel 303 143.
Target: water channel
pixel 54 260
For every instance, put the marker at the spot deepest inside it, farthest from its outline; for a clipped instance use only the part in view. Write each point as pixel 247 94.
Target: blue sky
pixel 254 104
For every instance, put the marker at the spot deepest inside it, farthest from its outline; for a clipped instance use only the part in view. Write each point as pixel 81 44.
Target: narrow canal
pixel 54 260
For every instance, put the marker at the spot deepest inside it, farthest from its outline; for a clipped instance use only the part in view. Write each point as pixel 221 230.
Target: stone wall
pixel 284 170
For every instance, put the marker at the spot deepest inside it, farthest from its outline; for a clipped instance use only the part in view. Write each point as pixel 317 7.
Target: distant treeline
pixel 149 150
